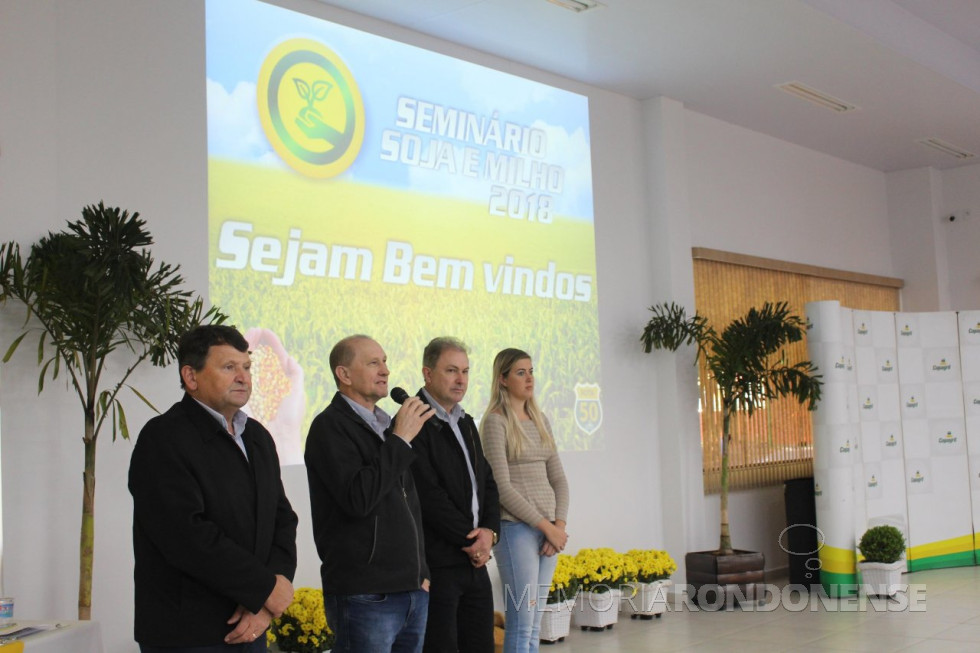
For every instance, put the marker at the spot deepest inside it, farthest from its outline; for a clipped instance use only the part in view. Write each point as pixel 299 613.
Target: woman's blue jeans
pixel 526 578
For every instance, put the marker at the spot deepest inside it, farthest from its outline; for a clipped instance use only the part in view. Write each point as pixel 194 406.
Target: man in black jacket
pixel 214 536
pixel 366 520
pixel 460 507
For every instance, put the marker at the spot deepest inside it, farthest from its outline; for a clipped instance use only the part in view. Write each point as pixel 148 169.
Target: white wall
pixel 757 195
pixel 101 100
pixel 960 195
pixel 105 100
pixel 937 257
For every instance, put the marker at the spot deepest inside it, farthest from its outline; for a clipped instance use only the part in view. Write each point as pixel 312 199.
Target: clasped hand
pixel 555 537
pixel 250 626
pixel 479 551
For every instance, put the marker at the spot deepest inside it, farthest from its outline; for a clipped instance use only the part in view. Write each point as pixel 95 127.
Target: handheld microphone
pixel 399 396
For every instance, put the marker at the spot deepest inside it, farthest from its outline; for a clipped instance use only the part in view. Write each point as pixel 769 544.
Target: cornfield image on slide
pixel 312 313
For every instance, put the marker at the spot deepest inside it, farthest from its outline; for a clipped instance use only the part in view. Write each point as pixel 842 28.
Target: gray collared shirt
pixel 237 423
pixel 377 419
pixel 452 418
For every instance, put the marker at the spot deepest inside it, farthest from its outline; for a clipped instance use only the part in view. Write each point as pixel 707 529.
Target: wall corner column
pixel 669 244
pixel 917 239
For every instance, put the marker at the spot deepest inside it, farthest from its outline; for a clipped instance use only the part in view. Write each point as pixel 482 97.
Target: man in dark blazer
pixel 214 535
pixel 366 521
pixel 460 507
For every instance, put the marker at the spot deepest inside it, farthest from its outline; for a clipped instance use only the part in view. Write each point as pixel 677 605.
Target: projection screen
pixel 361 185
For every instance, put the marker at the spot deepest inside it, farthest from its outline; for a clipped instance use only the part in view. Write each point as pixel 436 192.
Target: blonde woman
pixel 518 443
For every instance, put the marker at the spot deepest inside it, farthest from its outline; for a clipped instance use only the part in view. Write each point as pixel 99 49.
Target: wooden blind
pixel 776 444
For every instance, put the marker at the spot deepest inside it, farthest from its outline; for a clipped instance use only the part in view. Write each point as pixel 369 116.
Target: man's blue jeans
pixel 526 577
pixel 377 623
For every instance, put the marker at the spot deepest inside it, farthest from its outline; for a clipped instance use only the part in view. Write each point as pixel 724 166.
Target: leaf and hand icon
pixel 310 119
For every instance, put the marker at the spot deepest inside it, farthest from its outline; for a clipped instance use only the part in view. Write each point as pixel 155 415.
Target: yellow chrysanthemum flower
pixel 652 564
pixel 302 628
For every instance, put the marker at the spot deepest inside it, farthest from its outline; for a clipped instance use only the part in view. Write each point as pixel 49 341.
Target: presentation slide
pixel 361 185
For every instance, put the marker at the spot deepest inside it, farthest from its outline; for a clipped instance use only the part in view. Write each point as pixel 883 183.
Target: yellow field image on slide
pixel 340 264
pixel 356 232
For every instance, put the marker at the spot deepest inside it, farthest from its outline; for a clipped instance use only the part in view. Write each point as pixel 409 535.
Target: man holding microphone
pixel 367 523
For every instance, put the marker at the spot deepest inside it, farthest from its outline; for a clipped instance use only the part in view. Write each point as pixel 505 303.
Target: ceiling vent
pixel 578 6
pixel 946 148
pixel 816 97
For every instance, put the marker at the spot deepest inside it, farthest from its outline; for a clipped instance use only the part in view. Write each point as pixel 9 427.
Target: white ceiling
pixel 911 66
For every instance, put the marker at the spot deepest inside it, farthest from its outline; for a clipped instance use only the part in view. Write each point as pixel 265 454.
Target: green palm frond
pixel 746 360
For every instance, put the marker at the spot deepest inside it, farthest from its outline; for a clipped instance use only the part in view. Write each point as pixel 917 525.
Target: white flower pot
pixel 881 578
pixel 648 600
pixel 556 621
pixel 596 611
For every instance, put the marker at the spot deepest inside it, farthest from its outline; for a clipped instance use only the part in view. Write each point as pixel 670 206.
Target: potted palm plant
pixel 92 292
pixel 746 362
pixel 881 570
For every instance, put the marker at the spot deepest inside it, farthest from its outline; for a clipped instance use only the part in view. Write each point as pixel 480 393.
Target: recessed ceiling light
pixel 577 5
pixel 816 97
pixel 946 148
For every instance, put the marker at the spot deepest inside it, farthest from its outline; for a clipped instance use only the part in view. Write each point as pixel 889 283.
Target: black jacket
pixel 210 529
pixel 446 491
pixel 366 520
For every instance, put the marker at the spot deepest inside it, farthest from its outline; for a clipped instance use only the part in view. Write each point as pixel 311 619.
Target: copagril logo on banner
pixel 310 107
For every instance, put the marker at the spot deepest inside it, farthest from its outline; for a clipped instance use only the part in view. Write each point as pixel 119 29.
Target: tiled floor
pixel 940 613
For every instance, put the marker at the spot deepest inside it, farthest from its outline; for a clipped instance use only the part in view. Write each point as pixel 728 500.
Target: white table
pixel 70 637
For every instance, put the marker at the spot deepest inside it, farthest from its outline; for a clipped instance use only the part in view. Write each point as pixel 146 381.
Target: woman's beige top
pixel 531 487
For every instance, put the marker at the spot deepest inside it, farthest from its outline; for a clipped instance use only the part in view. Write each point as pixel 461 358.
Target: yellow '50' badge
pixel 310 107
pixel 588 409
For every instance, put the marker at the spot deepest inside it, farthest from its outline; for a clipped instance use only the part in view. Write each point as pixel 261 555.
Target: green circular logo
pixel 310 107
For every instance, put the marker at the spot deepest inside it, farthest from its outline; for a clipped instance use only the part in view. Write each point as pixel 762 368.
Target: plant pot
pixel 720 580
pixel 649 600
pixel 556 621
pixel 595 611
pixel 881 578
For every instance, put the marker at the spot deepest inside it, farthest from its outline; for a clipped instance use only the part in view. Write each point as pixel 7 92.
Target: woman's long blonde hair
pixel 500 404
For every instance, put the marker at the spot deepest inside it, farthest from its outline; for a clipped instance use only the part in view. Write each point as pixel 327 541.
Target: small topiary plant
pixel 882 544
